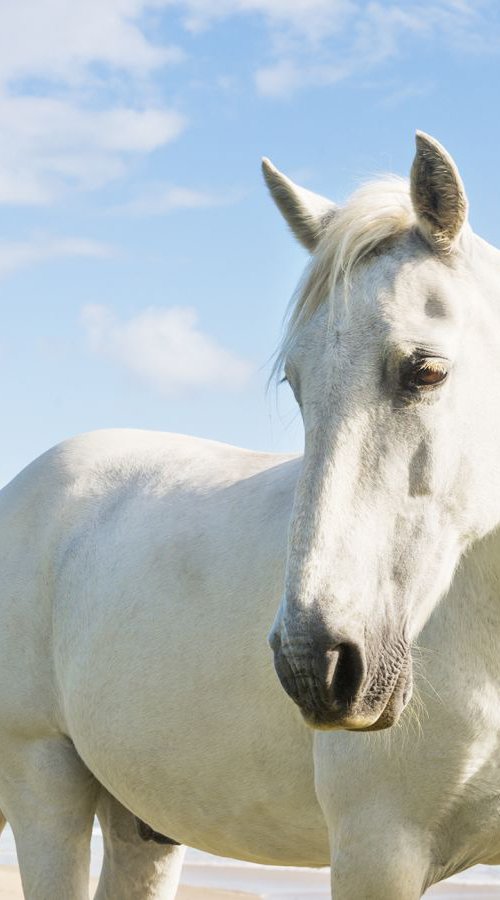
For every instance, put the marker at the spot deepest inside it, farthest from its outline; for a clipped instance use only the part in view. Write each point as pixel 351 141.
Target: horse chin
pixel 385 720
pixel 320 721
pixel 325 722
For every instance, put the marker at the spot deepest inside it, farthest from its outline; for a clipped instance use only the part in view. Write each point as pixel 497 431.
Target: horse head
pixel 392 352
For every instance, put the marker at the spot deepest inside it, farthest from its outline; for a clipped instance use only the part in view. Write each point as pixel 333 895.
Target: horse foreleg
pixel 376 857
pixel 358 875
pixel 378 849
pixel 132 867
pixel 49 798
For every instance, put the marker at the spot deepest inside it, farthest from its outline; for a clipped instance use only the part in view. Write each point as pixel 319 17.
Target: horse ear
pixel 437 193
pixel 306 213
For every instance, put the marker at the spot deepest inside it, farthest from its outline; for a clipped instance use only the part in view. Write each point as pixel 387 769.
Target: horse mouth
pixel 364 717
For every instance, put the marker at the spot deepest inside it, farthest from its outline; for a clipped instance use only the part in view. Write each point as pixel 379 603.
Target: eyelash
pixel 413 369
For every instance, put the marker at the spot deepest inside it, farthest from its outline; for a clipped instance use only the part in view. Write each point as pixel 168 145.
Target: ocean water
pixel 281 883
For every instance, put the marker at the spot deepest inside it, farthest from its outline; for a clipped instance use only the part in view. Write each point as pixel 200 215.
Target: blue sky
pixel 144 272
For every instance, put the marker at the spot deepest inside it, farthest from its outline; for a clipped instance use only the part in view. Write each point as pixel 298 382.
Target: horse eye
pixel 429 374
pixel 420 374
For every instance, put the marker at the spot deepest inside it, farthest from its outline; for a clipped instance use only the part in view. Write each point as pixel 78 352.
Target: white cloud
pixel 78 88
pixel 65 69
pixel 20 254
pixel 164 347
pixel 49 144
pixel 60 39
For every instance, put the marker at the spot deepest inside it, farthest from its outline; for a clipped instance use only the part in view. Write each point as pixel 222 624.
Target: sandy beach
pixel 10 889
pixel 208 877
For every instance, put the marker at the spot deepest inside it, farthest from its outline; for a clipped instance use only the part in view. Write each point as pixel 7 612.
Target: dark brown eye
pixel 429 373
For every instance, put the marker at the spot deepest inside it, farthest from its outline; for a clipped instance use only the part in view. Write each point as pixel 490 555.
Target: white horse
pixel 140 573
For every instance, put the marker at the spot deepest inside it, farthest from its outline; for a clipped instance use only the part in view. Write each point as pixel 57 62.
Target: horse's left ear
pixel 437 193
pixel 306 213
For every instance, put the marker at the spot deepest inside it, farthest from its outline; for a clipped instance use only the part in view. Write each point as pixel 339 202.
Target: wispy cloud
pixel 372 34
pixel 321 42
pixel 397 96
pixel 165 348
pixel 173 198
pixel 20 254
pixel 161 199
pixel 307 17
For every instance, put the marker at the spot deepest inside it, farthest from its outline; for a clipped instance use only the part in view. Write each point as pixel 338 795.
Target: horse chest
pixel 470 833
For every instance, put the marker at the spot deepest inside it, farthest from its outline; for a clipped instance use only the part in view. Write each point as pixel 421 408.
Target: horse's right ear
pixel 306 213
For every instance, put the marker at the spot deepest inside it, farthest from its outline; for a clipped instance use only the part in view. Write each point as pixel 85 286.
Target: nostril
pixel 348 673
pixel 326 673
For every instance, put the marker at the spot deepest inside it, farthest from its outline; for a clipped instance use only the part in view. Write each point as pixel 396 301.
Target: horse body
pixel 141 572
pixel 177 546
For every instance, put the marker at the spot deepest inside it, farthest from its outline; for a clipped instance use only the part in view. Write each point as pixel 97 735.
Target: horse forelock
pixel 377 212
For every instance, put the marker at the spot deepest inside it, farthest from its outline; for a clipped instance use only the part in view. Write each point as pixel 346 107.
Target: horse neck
pixel 465 627
pixel 463 634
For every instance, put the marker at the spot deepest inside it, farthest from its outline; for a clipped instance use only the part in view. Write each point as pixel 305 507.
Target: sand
pixel 10 889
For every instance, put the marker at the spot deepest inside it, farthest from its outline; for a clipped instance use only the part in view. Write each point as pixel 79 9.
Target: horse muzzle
pixel 335 686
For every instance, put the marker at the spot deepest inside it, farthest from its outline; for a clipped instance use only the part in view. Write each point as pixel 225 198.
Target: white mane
pixel 376 212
